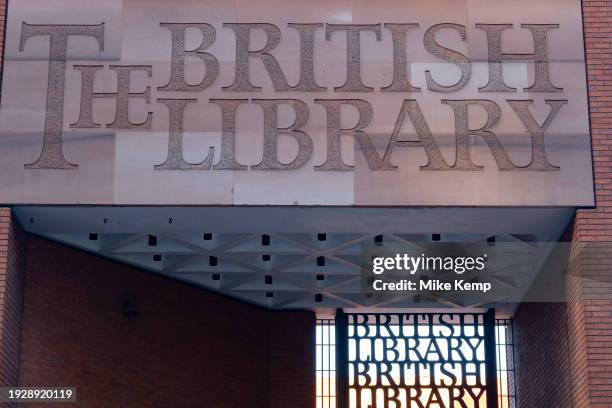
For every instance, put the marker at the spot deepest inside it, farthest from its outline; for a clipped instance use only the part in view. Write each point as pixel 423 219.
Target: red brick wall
pixel 591 324
pixel 592 293
pixel 541 354
pixel 596 224
pixel 291 335
pixel 2 22
pixel 3 6
pixel 542 342
pixel 12 263
pixel 573 341
pixel 187 348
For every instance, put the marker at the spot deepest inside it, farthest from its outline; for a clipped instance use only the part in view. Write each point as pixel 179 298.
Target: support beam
pixel 342 385
pixel 491 359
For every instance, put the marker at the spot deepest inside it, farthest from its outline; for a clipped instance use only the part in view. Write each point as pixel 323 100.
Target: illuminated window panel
pixel 326 364
pixel 505 364
pixel 371 358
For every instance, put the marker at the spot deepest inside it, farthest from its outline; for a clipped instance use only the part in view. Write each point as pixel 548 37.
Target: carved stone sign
pixel 445 102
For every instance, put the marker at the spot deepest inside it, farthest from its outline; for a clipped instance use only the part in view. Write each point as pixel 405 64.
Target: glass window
pixel 326 368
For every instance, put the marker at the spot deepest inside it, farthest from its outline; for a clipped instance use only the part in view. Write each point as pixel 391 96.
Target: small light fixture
pixel 321 261
pixel 213 261
pixel 265 240
pixel 93 237
pixel 152 240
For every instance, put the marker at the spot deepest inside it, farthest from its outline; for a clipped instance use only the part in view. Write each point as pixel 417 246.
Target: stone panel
pixel 106 128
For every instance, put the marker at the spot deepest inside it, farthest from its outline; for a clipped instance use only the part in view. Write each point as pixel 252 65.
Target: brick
pixel 12 270
pixel 188 347
pixel 563 349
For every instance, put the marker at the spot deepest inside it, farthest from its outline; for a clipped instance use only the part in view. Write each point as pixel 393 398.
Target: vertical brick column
pixel 12 268
pixel 3 6
pixel 590 287
pixel 291 362
pixel 589 316
pixel 564 350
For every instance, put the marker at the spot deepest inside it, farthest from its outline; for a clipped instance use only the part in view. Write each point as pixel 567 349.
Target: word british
pixel 52 156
